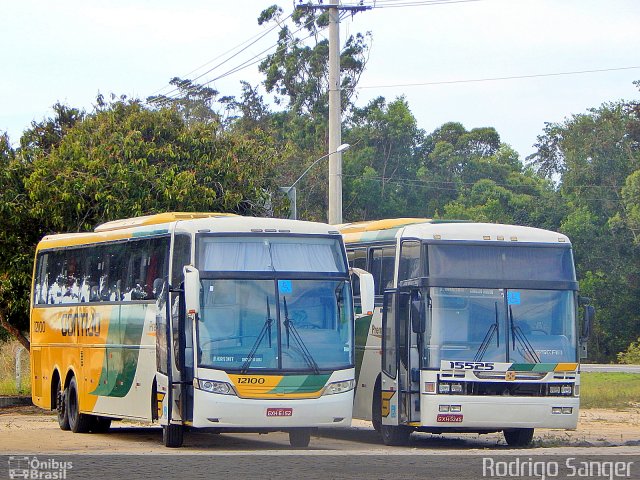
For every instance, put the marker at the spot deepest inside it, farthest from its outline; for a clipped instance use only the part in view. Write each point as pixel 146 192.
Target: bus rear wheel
pixel 78 422
pixel 300 437
pixel 172 436
pixel 518 437
pixel 61 406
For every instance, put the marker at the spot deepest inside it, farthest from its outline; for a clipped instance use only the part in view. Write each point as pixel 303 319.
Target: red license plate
pixel 279 412
pixel 449 418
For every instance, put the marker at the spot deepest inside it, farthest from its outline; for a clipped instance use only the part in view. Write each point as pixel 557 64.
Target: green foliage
pixel 298 73
pixel 631 355
pixel 154 160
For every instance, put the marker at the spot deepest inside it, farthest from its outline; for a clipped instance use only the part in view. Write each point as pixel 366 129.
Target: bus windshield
pixel 275 324
pixel 279 253
pixel 500 325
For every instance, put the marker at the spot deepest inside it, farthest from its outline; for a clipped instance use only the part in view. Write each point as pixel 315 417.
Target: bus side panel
pixel 368 348
pixel 57 350
pixel 127 376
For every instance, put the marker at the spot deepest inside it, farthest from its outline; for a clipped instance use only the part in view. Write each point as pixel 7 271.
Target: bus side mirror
pixel 589 316
pixel 418 316
pixel 191 291
pixel 367 290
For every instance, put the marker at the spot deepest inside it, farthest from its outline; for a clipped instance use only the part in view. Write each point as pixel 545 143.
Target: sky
pixel 70 50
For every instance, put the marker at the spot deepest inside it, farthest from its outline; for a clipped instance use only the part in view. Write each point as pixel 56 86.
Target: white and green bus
pixel 475 329
pixel 193 320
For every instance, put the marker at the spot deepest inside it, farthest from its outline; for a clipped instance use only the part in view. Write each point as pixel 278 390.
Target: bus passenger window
pixel 382 266
pixel 357 259
pixel 410 265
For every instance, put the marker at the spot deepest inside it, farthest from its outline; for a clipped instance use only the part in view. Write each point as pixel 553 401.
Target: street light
pixel 291 191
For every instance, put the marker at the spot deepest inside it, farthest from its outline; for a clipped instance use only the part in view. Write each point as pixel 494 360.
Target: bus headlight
pixel 338 387
pixel 221 388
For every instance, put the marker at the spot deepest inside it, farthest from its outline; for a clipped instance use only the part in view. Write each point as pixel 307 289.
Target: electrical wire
pixel 493 79
pixel 247 63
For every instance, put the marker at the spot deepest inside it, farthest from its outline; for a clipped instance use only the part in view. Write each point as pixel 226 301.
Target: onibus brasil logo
pixel 33 467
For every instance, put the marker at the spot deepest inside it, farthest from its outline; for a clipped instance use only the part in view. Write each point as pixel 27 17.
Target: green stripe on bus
pixel 121 360
pixel 533 367
pixel 149 233
pixel 300 384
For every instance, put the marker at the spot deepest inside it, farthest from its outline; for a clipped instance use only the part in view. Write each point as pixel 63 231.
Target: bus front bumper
pixel 229 411
pixel 497 413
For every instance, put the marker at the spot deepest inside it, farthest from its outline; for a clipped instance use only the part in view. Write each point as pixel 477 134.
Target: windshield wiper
pixel 494 329
pixel 266 330
pixel 518 334
pixel 293 332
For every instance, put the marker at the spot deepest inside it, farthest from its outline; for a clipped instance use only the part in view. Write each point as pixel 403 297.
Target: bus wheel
pixel 518 437
pixel 376 408
pixel 61 407
pixel 395 435
pixel 100 425
pixel 172 436
pixel 300 437
pixel 78 422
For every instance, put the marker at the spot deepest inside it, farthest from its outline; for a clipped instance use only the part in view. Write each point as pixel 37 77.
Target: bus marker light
pixel 567 410
pixel 429 387
pixel 443 408
pixel 455 408
pixel 556 410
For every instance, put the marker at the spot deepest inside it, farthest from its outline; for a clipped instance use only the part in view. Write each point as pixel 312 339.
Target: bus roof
pixel 156 219
pixel 428 229
pixel 163 223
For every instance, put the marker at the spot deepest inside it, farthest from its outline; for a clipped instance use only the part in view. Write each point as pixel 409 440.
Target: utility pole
pixel 335 119
pixel 335 109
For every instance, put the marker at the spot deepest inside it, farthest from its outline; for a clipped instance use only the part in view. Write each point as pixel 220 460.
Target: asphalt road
pixel 586 367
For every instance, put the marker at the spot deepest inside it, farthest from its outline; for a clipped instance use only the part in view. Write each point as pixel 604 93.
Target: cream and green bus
pixel 194 320
pixel 475 329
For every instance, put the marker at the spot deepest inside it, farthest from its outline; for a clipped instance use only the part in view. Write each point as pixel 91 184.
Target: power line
pixel 420 3
pixel 247 63
pixel 493 79
pixel 260 37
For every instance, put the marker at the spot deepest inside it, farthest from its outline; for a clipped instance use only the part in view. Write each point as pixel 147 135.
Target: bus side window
pixel 382 263
pixel 357 259
pixel 181 257
pixel 410 265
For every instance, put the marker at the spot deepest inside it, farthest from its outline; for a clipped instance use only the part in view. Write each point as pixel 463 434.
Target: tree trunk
pixel 13 331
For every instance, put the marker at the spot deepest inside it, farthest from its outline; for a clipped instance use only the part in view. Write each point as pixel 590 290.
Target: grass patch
pixel 8 353
pixel 609 390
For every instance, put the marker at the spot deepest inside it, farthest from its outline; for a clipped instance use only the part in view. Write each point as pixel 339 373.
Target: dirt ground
pixel 32 430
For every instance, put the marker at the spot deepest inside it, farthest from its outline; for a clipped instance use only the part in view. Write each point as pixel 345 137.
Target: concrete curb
pixel 14 401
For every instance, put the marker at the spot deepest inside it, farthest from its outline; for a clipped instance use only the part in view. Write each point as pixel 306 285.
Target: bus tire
pixel 376 407
pixel 172 436
pixel 518 437
pixel 100 424
pixel 300 437
pixel 395 435
pixel 61 406
pixel 78 422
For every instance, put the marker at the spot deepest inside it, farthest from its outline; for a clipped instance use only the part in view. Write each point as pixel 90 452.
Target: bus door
pixel 174 350
pixel 400 359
